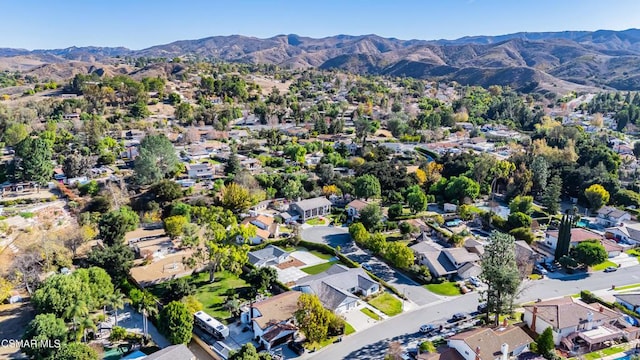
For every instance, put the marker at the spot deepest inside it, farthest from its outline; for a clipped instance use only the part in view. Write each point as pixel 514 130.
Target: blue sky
pixel 136 24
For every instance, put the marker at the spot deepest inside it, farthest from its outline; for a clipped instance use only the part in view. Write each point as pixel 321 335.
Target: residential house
pixel 272 320
pixel 265 226
pixel 199 171
pixel 354 207
pixel 570 319
pixel 312 208
pixel 629 300
pixel 628 232
pixel 251 164
pixel 578 235
pixel 238 134
pixel 491 344
pixel 609 216
pixel 612 248
pixel 447 262
pixel 270 255
pixel 130 153
pixel 173 352
pixel 338 287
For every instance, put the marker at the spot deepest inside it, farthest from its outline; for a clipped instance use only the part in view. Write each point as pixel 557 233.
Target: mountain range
pixel 525 61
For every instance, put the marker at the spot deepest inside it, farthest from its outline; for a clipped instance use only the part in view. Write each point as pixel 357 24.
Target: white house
pixel 570 318
pixel 447 262
pixel 311 208
pixel 609 216
pixel 491 344
pixel 628 232
pixel 272 319
pixel 577 235
pixel 338 287
pixel 265 227
pixel 354 207
pixel 629 300
pixel 199 171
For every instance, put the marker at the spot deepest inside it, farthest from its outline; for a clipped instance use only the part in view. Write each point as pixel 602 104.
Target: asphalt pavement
pixel 372 343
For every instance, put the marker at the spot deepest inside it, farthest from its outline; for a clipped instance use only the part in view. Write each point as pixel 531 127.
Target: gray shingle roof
pixel 633 299
pixel 313 203
pixel 173 352
pixel 268 253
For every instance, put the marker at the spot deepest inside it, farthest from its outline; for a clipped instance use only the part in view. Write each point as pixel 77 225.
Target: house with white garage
pixel 578 235
pixel 447 262
pixel 338 287
pixel 265 226
pixel 628 232
pixel 354 207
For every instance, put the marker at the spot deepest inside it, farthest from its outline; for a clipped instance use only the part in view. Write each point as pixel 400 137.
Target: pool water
pixel 582 223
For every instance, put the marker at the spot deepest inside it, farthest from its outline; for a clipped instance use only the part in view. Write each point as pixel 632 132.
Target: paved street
pixel 372 343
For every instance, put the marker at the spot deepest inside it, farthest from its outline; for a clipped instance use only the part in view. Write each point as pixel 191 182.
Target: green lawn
pixel 321 255
pixel 348 329
pixel 213 296
pixel 603 265
pixel 604 352
pixel 634 252
pixel 446 288
pixel 370 314
pixel 315 221
pixel 627 287
pixel 387 303
pixel 317 269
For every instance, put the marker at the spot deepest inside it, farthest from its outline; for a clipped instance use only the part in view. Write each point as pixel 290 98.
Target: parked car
pixel 610 269
pixel 475 281
pixel 367 267
pixel 539 270
pixel 550 266
pixel 482 307
pixel 459 316
pixel 427 328
pixel 296 347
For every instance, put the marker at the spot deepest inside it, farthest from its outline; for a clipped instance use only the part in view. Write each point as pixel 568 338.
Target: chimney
pixel 601 309
pixel 505 351
pixel 477 352
pixel 505 322
pixel 589 320
pixel 534 318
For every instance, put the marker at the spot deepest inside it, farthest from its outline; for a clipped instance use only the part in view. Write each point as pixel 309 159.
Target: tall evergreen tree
pixel 564 237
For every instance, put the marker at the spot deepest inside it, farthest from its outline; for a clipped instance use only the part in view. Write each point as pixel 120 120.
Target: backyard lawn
pixel 321 255
pixel 315 221
pixel 603 265
pixel 446 288
pixel 603 353
pixel 387 303
pixel 214 295
pixel 348 330
pixel 317 269
pixel 370 314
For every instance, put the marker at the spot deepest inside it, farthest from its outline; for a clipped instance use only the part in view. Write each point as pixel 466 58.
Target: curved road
pixel 372 343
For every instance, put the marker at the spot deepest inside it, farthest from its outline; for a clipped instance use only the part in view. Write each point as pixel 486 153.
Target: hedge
pixel 588 297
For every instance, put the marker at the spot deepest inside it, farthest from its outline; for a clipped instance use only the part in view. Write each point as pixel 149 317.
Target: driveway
pixel 625 260
pixel 334 236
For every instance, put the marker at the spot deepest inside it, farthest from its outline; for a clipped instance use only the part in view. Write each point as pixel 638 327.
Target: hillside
pixel 609 59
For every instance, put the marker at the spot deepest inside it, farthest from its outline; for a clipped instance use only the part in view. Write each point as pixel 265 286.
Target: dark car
pixel 459 317
pixel 296 347
pixel 428 328
pixel 482 307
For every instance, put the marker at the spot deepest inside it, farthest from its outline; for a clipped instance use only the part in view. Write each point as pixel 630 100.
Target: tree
pixel 236 198
pixel 551 195
pixel 292 189
pixel 325 173
pixel 540 170
pixel 15 133
pixel 179 288
pixel 589 253
pixel 176 322
pixel 157 158
pixel 500 273
pixel 416 199
pixel 636 149
pixel 395 211
pixel 545 345
pixel 312 318
pixel 35 160
pixel 376 243
pixel 117 260
pixel 115 224
pixel 174 225
pixel 358 233
pixel 192 303
pixel 371 216
pixel 597 196
pixel 44 328
pixel 394 352
pixel 523 204
pixel 99 282
pixel 564 237
pixel 166 191
pixel 76 351
pixel 76 165
pixel 367 186
pixel 233 163
pixel 518 220
pixel 76 312
pixel 116 302
pixel 364 127
pixel 6 287
pixel 399 254
pixel 184 112
pixel 59 293
pixel 262 278
pixel 248 352
pixel 461 187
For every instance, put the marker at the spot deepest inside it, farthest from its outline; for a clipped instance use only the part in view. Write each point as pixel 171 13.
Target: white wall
pixel 462 348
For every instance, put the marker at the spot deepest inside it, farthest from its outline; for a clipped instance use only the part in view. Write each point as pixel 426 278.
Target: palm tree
pixel 147 307
pixel 78 310
pixel 86 324
pixel 116 302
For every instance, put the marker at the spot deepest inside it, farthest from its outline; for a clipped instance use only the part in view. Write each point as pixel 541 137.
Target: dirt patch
pixel 13 320
pixel 293 262
pixel 268 83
